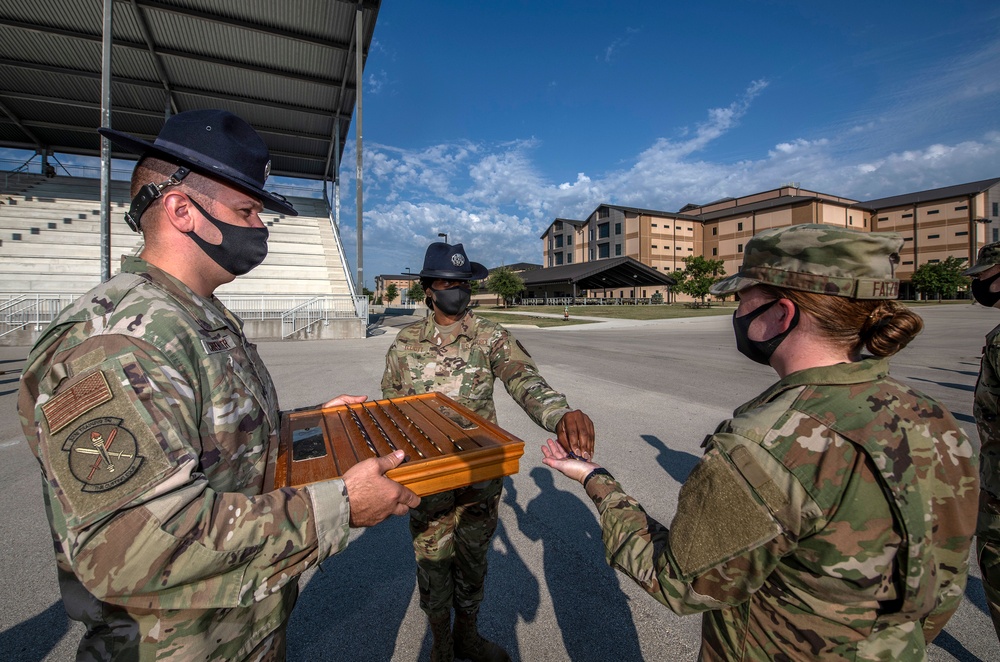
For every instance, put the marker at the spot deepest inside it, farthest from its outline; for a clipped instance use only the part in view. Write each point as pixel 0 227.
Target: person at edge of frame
pixel 830 518
pixel 153 419
pixel 985 287
pixel 460 354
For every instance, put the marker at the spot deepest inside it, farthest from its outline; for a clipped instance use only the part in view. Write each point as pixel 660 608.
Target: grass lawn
pixel 495 315
pixel 652 312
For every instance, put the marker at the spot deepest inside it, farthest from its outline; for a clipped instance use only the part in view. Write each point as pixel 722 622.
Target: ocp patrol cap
pixel 819 258
pixel 989 255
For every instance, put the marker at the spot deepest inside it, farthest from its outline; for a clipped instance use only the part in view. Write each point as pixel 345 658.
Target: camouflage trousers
pixel 988 549
pixel 451 536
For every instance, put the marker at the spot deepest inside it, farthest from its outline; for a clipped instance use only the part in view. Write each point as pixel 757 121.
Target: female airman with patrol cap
pixel 986 408
pixel 831 517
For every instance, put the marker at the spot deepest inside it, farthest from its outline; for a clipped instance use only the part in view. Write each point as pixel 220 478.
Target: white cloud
pixel 495 200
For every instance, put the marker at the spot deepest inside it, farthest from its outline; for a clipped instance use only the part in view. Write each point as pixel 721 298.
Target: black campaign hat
pixel 215 143
pixel 450 262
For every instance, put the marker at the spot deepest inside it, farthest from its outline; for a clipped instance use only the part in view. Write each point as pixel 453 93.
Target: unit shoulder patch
pixel 102 454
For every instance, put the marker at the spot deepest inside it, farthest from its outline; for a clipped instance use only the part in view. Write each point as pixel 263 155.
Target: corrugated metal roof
pixel 944 193
pixel 610 272
pixel 287 67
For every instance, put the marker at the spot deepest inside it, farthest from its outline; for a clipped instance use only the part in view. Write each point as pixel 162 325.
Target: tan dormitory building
pixel 954 221
pixel 403 282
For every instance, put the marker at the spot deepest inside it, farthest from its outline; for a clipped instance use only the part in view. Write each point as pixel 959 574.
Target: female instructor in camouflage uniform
pixel 831 517
pixel 461 354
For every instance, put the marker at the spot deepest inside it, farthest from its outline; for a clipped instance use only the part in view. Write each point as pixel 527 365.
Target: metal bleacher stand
pixel 50 254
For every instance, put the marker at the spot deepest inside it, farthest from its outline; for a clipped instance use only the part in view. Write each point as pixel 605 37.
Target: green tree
pixel 416 292
pixel 391 292
pixel 505 283
pixel 940 279
pixel 698 276
pixel 368 293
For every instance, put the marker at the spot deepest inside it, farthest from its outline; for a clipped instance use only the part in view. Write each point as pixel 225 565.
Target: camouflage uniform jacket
pixel 831 518
pixel 986 409
pixel 151 415
pixel 463 364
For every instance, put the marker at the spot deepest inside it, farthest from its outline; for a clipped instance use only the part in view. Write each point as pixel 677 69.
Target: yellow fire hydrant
pixel 566 313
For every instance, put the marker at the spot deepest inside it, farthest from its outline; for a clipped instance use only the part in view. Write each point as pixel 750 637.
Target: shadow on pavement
pixel 586 596
pixel 353 609
pixel 676 463
pixel 33 639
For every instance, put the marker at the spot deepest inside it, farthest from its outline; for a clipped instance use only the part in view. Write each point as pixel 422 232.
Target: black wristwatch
pixel 599 471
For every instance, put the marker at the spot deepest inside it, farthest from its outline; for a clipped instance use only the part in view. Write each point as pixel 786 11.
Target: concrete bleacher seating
pixel 50 242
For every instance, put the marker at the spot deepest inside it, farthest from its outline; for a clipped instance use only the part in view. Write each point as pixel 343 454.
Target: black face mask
pixel 759 351
pixel 241 249
pixel 981 291
pixel 452 301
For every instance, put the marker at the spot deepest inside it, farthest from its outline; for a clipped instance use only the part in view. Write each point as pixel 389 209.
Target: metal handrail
pixel 23 310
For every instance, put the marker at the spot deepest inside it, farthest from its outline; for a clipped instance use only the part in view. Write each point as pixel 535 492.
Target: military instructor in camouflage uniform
pixel 152 418
pixel 831 517
pixel 986 408
pixel 460 354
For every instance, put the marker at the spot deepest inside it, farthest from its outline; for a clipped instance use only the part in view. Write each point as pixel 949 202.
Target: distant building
pixel 402 283
pixel 953 221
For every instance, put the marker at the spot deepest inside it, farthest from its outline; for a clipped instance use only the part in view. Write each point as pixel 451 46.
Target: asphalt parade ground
pixel 654 389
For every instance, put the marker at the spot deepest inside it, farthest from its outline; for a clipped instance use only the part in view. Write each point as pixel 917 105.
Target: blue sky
pixel 488 119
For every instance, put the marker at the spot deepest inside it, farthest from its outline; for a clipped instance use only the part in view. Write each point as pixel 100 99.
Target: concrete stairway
pixel 50 243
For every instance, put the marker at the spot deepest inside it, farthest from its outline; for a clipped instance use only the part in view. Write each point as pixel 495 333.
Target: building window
pixel 618 228
pixel 603 251
pixel 885 218
pixel 603 230
pixel 739 248
pixel 962 234
pixel 715 231
pixel 996 208
pixel 591 234
pixel 618 249
pixel 907 216
pixel 558 226
pixel 739 226
pixel 933 261
pixel 690 250
pixel 715 251
pixel 591 254
pixel 934 211
pixel 559 241
pixel 559 259
pixel 654 225
pixel 603 212
pixel 908 262
pixel 655 246
pixel 961 207
pixel 569 240
pixel 569 258
pixel 933 236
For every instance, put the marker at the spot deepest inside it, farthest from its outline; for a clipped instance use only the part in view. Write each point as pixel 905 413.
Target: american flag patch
pixel 89 392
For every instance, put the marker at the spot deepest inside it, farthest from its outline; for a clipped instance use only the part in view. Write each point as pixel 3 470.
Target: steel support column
pixel 358 69
pixel 105 143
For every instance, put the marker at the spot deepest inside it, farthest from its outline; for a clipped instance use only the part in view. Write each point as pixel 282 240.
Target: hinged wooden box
pixel 447 446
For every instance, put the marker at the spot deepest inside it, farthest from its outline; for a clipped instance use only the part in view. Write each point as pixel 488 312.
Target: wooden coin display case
pixel 447 445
